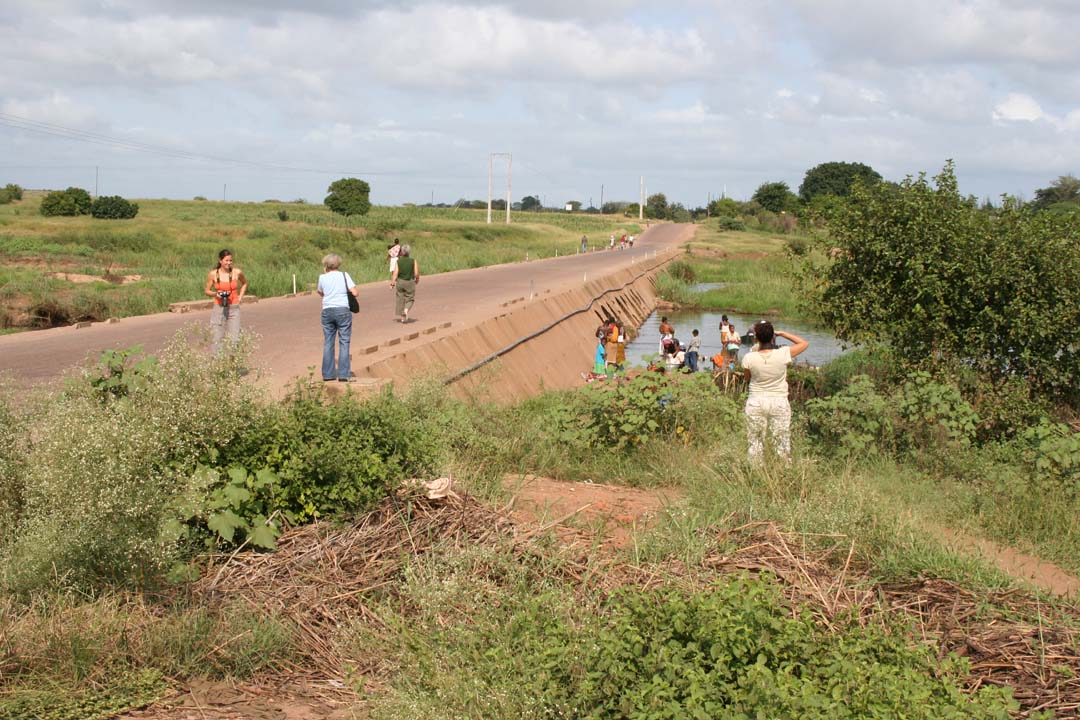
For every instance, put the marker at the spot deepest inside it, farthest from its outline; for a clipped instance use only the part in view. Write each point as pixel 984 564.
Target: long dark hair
pixel 765 335
pixel 225 252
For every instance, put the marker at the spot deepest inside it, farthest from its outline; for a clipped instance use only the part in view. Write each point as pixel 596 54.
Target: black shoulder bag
pixel 354 304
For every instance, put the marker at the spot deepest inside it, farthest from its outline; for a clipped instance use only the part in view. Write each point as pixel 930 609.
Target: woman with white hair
pixel 403 281
pixel 335 286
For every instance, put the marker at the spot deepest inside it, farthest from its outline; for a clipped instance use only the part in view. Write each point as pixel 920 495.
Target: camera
pixel 223 295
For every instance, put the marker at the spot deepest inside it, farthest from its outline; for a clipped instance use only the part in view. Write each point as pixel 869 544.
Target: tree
pixel 920 269
pixel 656 206
pixel 835 178
pixel 114 207
pixel 58 202
pixel 530 203
pixel 575 205
pixel 10 192
pixel 613 207
pixel 631 210
pixel 349 196
pixel 775 196
pixel 724 206
pixel 82 199
pixel 1066 189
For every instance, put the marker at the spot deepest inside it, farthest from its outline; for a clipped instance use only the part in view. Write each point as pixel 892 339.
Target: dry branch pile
pixel 321 577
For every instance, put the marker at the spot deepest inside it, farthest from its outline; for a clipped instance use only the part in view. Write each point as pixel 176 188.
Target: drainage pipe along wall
pixel 544 343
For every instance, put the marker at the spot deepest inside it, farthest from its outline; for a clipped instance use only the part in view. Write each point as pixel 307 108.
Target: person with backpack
pixel 335 287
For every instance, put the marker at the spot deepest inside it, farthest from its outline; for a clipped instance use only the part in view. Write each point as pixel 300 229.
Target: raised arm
pixel 798 346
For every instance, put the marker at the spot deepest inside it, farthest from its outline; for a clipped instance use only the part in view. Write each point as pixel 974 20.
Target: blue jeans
pixel 336 321
pixel 691 360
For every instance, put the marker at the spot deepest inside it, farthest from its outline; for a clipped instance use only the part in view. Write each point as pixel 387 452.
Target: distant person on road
pixel 611 243
pixel 584 244
pixel 334 287
pixel 631 240
pixel 226 284
pixel 767 410
pixel 392 252
pixel 405 278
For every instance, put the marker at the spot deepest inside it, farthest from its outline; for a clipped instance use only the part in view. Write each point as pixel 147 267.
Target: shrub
pixel 59 202
pixel 682 271
pixel 737 649
pixel 1052 450
pixel 797 245
pixel 5 196
pixel 282 215
pixel 113 207
pixel 934 416
pixel 14 192
pixel 855 421
pixel 725 222
pixel 336 458
pixel 108 477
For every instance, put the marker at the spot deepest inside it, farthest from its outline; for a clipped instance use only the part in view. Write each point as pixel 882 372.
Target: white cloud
pixel 1018 107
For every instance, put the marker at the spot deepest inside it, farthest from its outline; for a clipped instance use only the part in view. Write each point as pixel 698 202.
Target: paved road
pixel 290 336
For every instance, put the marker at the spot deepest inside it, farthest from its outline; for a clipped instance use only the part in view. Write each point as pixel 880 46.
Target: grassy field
pixel 171 245
pixel 755 267
pixel 459 620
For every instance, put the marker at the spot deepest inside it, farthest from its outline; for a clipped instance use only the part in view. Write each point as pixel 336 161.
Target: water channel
pixel 823 346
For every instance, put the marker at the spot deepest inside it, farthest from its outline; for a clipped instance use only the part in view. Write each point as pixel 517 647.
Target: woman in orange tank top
pixel 226 284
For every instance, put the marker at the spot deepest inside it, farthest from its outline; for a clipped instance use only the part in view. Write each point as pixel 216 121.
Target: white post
pixel 490 156
pixel 641 204
pixel 294 284
pixel 509 177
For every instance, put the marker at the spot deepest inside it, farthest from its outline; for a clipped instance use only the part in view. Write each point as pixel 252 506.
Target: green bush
pixel 12 191
pixel 59 202
pixel 335 458
pixel 628 412
pixel 283 215
pixel 1051 452
pixel 113 207
pixel 855 421
pixel 5 196
pixel 682 271
pixel 739 648
pixel 933 415
pixel 108 477
pixel 725 222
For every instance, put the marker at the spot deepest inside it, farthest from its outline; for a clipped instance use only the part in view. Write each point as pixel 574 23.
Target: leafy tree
pixel 575 205
pixel 114 207
pixel 1066 189
pixel 632 210
pixel 614 207
pixel 724 206
pixel 656 206
pixel 59 202
pixel 82 199
pixel 920 269
pixel 835 178
pixel 775 196
pixel 5 196
pixel 12 191
pixel 678 213
pixel 530 203
pixel 349 196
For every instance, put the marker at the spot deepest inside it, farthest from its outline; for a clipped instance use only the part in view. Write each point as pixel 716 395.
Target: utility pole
pixel 641 202
pixel 601 199
pixel 224 187
pixel 95 181
pixel 509 176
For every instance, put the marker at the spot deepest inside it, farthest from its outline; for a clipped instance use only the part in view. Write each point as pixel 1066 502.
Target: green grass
pixel 172 245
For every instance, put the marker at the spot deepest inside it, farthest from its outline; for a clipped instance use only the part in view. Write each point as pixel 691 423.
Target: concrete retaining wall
pixel 562 349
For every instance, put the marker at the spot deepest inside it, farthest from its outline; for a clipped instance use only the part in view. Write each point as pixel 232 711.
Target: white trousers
pixel 768 415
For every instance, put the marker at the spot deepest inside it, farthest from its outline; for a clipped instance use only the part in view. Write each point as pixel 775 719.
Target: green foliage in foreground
pixel 918 267
pixel 733 650
pixel 136 690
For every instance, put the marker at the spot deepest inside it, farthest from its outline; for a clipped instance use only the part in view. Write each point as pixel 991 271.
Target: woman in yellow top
pixel 767 408
pixel 226 284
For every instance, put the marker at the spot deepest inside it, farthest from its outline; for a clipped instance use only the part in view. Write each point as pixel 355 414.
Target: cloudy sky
pixel 276 98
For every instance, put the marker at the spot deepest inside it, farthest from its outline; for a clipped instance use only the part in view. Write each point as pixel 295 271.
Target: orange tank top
pixel 231 285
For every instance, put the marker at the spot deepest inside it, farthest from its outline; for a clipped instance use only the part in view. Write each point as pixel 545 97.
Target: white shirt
pixel 333 286
pixel 768 371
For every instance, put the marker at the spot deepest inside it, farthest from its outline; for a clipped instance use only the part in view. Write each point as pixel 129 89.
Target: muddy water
pixel 823 346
